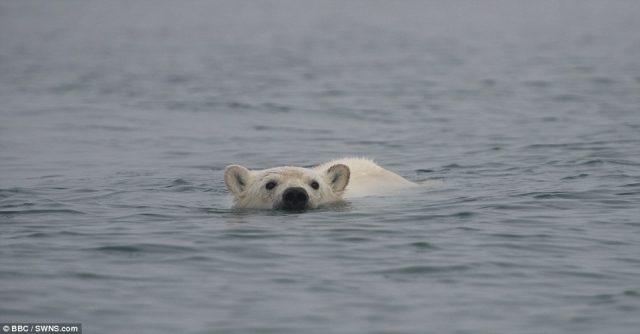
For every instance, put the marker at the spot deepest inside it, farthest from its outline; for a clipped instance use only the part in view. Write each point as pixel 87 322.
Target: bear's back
pixel 367 178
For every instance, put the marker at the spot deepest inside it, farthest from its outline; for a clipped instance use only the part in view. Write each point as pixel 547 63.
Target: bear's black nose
pixel 295 198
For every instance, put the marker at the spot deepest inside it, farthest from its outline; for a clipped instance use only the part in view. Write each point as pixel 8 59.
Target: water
pixel 521 120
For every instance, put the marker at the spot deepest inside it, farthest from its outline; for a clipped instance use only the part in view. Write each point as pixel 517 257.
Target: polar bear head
pixel 286 188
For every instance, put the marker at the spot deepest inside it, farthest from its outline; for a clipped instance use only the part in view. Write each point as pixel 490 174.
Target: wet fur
pixel 349 176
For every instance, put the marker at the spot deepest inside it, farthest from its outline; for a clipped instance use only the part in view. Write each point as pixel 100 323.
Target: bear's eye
pixel 315 185
pixel 270 185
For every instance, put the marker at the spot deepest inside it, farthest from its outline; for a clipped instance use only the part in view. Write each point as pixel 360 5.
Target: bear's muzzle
pixel 295 198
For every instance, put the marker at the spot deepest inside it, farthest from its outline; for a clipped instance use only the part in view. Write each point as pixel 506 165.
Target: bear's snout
pixel 295 198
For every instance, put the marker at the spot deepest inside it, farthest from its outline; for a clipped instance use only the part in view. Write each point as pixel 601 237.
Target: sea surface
pixel 520 120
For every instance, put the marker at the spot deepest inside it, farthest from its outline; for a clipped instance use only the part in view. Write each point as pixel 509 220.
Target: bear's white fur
pixel 300 188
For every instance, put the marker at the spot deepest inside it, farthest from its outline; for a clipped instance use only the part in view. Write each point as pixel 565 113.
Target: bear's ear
pixel 338 176
pixel 236 177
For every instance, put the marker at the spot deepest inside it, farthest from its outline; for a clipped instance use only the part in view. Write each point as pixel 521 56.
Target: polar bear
pixel 297 188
